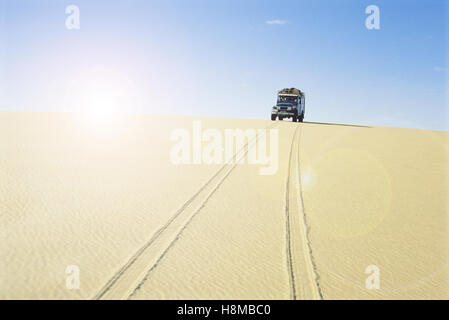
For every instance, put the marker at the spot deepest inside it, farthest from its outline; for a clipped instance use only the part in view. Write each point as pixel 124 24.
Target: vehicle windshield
pixel 287 99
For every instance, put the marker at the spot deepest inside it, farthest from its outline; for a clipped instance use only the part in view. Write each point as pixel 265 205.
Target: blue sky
pixel 222 58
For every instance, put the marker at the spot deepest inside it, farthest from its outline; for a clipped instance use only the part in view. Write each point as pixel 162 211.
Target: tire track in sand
pixel 130 277
pixel 301 267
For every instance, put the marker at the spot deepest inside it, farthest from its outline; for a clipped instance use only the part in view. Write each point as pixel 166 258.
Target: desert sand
pixel 100 193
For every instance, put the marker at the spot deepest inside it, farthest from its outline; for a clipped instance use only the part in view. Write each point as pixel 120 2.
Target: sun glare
pixel 103 96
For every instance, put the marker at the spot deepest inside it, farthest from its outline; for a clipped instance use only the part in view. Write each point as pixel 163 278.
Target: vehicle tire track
pixel 287 223
pixel 129 278
pixel 301 267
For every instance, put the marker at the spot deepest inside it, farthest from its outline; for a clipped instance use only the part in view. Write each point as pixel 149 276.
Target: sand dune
pixel 102 194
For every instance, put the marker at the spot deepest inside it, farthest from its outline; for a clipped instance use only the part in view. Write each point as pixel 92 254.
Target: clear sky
pixel 228 58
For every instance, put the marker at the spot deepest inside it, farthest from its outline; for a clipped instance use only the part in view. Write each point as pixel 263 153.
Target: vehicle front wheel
pixel 273 117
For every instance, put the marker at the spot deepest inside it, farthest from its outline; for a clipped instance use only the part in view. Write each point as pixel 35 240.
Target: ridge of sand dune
pixel 111 202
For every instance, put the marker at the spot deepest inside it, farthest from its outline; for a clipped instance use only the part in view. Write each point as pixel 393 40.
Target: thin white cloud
pixel 440 69
pixel 280 22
